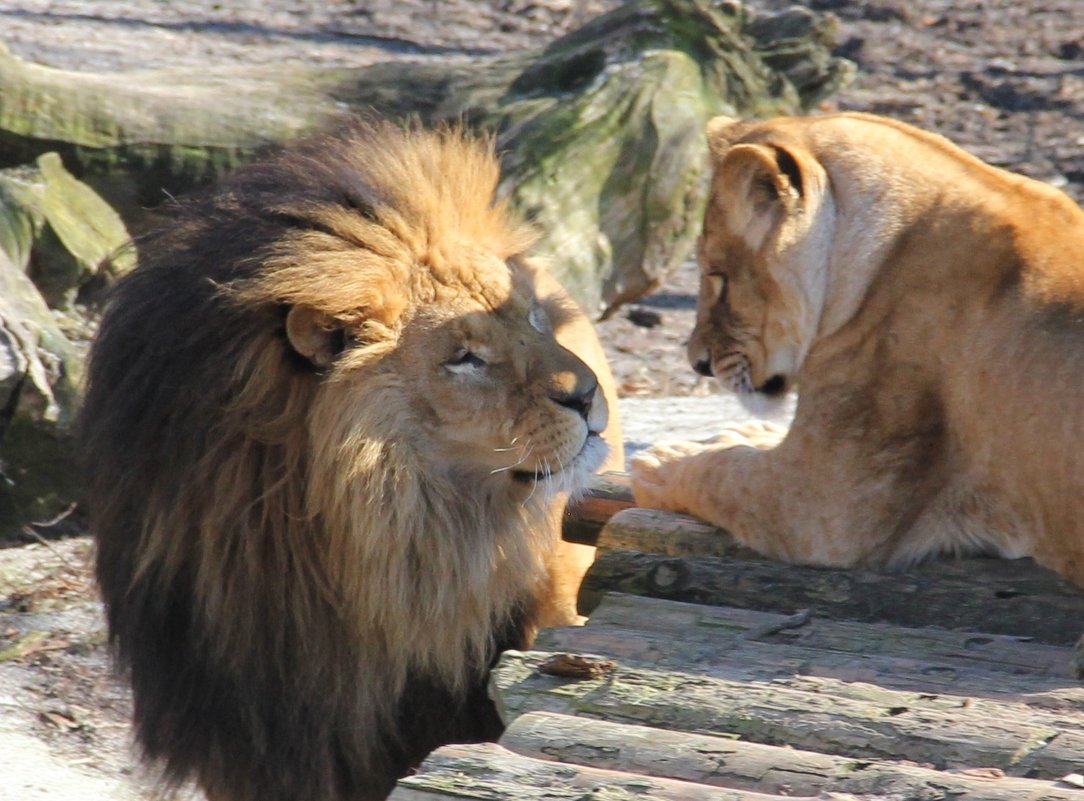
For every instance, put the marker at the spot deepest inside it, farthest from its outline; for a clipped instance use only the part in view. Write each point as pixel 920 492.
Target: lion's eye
pixel 716 283
pixel 539 320
pixel 464 360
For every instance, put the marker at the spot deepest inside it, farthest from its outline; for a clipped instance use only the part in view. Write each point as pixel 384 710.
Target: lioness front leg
pixel 702 478
pixel 787 502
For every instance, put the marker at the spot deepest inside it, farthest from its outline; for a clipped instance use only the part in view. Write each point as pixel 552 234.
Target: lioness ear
pixel 316 336
pixel 764 174
pixel 760 185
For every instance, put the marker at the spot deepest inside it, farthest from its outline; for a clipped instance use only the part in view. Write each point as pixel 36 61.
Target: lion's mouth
pixel 592 439
pixel 526 476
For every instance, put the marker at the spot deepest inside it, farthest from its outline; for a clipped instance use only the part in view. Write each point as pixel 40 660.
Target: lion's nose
pixel 703 366
pixel 578 400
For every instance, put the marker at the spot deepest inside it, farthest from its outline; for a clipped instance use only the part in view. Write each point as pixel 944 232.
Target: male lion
pixel 331 423
pixel 930 308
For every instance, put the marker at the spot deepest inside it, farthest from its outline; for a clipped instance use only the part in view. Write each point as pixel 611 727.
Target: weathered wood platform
pixel 782 682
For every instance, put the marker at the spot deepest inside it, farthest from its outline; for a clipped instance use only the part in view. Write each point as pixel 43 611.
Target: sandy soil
pixel 1004 78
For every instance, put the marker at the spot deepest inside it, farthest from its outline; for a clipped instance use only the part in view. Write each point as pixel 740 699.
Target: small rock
pixel 645 318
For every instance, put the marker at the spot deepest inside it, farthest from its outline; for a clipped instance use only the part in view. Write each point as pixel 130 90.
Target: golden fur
pixel 930 310
pixel 332 424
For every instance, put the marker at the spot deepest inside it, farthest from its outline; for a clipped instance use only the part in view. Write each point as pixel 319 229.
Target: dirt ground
pixel 1003 78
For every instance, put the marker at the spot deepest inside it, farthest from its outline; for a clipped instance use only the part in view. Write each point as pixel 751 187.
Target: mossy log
pixel 58 230
pixel 666 555
pixel 601 131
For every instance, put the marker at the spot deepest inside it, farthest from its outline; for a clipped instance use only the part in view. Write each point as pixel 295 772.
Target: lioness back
pixel 331 422
pixel 928 308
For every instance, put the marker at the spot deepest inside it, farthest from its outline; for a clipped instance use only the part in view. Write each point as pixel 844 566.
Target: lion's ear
pixel 722 132
pixel 316 336
pixel 760 186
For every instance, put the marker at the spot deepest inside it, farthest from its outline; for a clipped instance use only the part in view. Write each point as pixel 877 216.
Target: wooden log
pixel 655 531
pixel 741 765
pixel 741 645
pixel 855 720
pixel 1000 596
pixel 608 494
pixel 490 772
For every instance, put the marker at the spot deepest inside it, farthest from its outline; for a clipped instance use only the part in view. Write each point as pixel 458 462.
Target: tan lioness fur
pixel 929 308
pixel 331 424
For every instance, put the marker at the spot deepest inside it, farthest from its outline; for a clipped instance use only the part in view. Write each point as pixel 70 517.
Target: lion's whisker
pixel 517 463
pixel 511 446
pixel 534 484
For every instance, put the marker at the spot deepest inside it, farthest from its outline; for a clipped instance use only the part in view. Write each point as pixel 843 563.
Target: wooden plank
pixel 750 646
pixel 608 494
pixel 490 772
pixel 1000 596
pixel 764 768
pixel 849 719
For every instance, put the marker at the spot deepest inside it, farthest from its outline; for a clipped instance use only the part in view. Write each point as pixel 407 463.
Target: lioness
pixel 929 307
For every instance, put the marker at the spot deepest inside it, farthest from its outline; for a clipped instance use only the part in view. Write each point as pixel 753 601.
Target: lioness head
pixel 763 256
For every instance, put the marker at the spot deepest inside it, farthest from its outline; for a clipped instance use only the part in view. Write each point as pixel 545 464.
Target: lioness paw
pixel 754 434
pixel 657 479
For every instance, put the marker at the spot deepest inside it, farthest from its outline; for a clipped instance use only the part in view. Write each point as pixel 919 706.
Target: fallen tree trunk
pixel 602 131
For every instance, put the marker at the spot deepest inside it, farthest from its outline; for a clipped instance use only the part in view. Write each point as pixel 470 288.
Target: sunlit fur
pixel 316 527
pixel 930 310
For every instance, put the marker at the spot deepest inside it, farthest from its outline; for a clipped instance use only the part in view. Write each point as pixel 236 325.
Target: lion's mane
pixel 303 609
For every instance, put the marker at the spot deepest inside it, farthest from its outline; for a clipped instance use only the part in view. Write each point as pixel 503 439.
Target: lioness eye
pixel 716 286
pixel 464 360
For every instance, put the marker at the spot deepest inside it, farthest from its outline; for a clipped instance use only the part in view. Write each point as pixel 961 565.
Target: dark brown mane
pixel 221 581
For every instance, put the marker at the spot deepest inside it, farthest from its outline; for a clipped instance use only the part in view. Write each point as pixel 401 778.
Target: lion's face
pixel 477 380
pixel 762 257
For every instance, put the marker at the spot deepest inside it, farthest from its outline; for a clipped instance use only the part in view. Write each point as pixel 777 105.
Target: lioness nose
pixel 703 366
pixel 579 399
